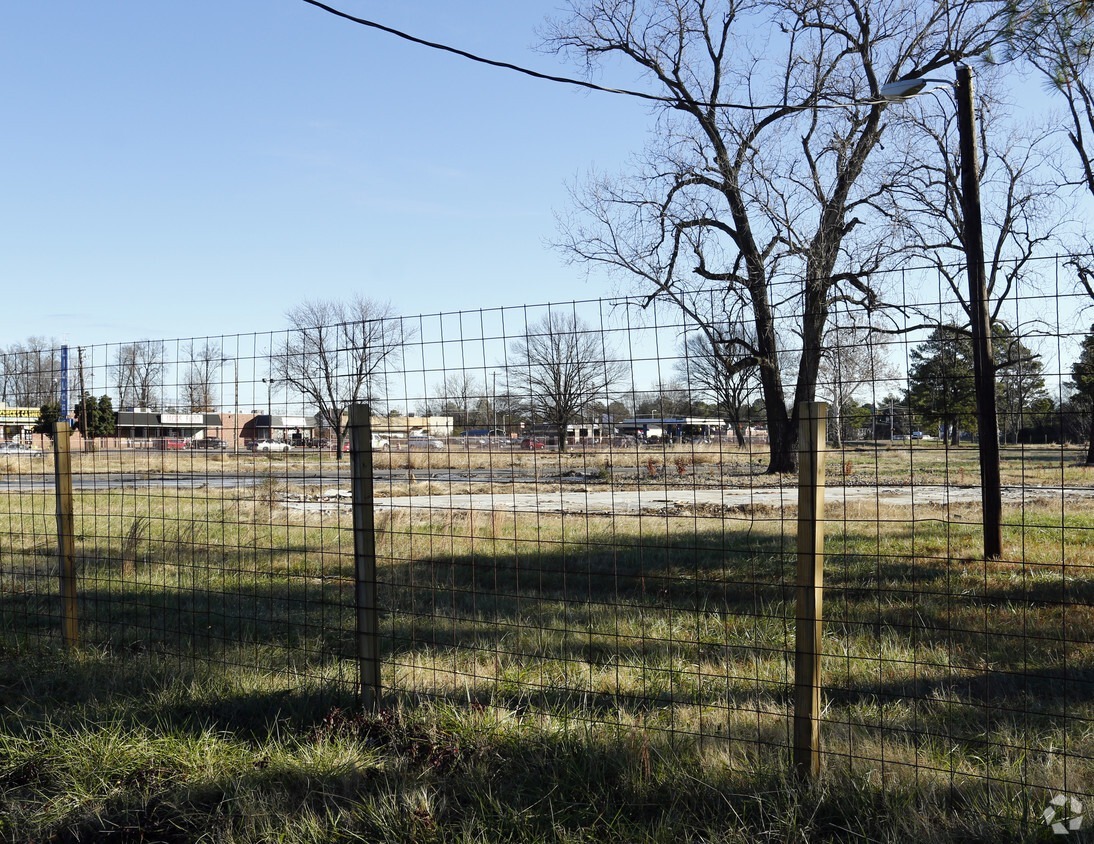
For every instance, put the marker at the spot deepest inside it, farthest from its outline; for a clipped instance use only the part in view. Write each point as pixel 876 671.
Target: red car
pixel 532 442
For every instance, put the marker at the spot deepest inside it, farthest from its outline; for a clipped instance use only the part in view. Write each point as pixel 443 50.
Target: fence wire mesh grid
pixel 574 521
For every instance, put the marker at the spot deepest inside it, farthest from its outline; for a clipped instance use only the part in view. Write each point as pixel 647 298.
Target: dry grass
pixel 883 463
pixel 547 662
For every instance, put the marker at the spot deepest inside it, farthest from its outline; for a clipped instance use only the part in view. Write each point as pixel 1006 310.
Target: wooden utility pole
pixel 88 442
pixel 813 418
pixel 987 421
pixel 66 532
pixel 364 551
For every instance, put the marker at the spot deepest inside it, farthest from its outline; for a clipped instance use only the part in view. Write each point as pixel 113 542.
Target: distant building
pixel 16 423
pixel 671 428
pixel 141 424
pixel 577 433
pixel 404 426
pixel 143 428
pixel 290 429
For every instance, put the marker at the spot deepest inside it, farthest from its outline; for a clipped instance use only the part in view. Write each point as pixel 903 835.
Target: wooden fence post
pixel 364 552
pixel 66 533
pixel 810 587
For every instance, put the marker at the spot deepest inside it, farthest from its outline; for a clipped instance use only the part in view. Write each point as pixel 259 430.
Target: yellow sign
pixel 19 414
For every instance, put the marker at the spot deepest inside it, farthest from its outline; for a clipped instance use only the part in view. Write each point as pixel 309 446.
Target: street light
pixel 987 422
pixel 235 402
pixel 269 382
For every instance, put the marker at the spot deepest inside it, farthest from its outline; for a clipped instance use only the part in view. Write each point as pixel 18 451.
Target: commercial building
pixel 671 428
pixel 17 423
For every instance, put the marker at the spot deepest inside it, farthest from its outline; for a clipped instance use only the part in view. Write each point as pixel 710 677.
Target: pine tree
pixel 941 387
pixel 1082 377
pixel 49 413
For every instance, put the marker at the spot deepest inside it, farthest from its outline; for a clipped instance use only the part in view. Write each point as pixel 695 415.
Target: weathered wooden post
pixel 66 533
pixel 364 552
pixel 810 588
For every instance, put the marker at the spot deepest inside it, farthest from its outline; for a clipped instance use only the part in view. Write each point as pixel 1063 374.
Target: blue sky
pixel 181 169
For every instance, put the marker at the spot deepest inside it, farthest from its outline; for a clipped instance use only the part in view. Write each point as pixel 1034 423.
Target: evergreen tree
pixel 1022 398
pixel 1082 377
pixel 49 413
pixel 97 420
pixel 107 418
pixel 941 388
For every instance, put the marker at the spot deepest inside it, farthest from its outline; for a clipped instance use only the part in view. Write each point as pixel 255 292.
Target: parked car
pixel 213 443
pixel 379 443
pixel 10 449
pixel 531 443
pixel 424 441
pixel 268 445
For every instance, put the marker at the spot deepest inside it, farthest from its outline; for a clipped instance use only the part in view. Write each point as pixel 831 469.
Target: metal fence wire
pixel 572 520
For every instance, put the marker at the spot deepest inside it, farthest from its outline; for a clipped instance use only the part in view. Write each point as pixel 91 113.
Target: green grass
pixel 148 757
pixel 547 678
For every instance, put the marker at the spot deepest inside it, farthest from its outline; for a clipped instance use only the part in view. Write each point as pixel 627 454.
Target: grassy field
pixel 546 677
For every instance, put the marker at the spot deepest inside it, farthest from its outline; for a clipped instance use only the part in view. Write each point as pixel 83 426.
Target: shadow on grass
pixel 439 774
pixel 690 618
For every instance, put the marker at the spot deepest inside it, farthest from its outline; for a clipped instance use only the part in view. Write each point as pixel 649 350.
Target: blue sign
pixel 64 382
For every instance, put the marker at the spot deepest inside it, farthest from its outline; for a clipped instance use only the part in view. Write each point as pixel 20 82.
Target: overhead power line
pixel 565 80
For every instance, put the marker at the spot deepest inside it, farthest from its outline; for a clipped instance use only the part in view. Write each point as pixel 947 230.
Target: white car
pixel 19 450
pixel 269 445
pixel 379 443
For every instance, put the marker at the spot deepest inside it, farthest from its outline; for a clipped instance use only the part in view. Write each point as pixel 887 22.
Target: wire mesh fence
pixel 576 520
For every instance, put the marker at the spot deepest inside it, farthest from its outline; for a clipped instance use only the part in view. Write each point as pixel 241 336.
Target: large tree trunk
pixel 560 430
pixel 783 444
pixel 781 431
pixel 739 433
pixel 835 425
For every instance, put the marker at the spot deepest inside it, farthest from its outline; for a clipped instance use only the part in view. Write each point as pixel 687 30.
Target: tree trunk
pixel 781 431
pixel 783 441
pixel 1090 448
pixel 835 425
pixel 813 321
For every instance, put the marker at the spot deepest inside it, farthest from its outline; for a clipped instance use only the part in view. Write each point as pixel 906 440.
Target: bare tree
pixel 337 354
pixel 562 367
pixel 138 373
pixel 31 372
pixel 723 372
pixel 1019 197
pixel 855 359
pixel 766 202
pixel 665 399
pixel 460 396
pixel 204 363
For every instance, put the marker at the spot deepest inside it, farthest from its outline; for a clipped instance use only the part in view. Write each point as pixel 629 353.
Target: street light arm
pixel 903 89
